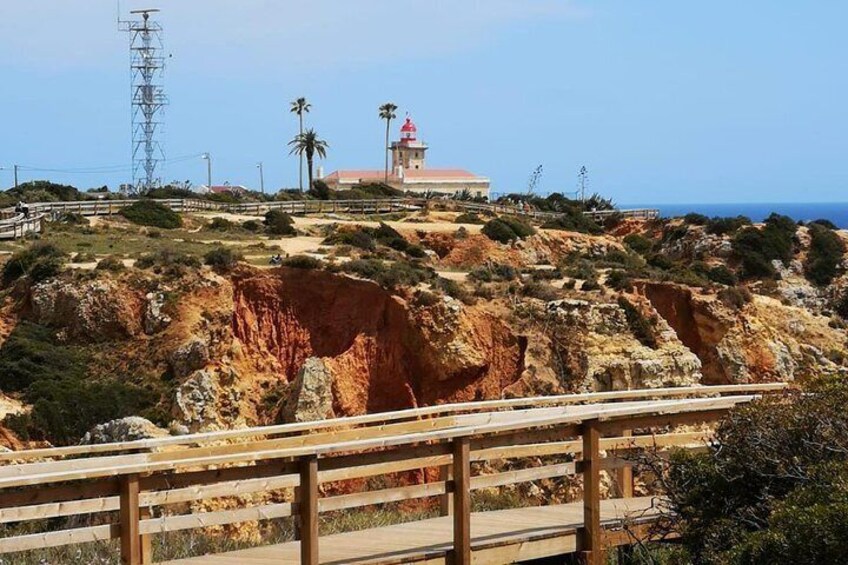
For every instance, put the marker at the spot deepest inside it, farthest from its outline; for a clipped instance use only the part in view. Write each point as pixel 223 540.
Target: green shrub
pixel 494 273
pixel 639 243
pixel 721 275
pixel 540 290
pixel 521 228
pixel 53 378
pixel 727 226
pixel 612 221
pixel 252 226
pixel 357 238
pixel 824 259
pixel 301 262
pixel 497 230
pixel 278 222
pixel 452 289
pixel 640 327
pixel 468 218
pixel 222 258
pixel 416 251
pixel 425 299
pixel 168 261
pixel 757 248
pixel 153 214
pixel 660 261
pixel 840 305
pixel 773 485
pixel 39 261
pixel 619 280
pixel 695 219
pixel 825 223
pixel 574 220
pixel 110 263
pixel 389 276
pixel 220 224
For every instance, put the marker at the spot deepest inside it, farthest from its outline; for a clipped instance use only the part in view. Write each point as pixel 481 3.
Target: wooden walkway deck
pixel 498 537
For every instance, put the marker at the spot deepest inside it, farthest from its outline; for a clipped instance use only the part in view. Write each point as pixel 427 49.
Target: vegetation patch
pixel 824 259
pixel 506 229
pixel 469 218
pixel 152 214
pixel 111 263
pixel 278 222
pixel 223 258
pixel 639 325
pixel 757 248
pixel 53 378
pixel 39 261
pixel 301 262
pixel 169 262
pixel 639 243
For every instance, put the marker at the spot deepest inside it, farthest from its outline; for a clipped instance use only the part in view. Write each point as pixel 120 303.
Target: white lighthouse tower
pixel 408 153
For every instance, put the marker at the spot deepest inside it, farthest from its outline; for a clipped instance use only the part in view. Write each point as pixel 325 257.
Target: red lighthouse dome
pixel 408 131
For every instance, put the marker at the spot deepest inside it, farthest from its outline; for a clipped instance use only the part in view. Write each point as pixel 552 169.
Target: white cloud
pixel 216 34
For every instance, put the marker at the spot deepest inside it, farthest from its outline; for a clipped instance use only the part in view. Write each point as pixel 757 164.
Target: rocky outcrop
pixel 382 353
pixel 97 310
pixel 597 351
pixel 311 393
pixel 126 429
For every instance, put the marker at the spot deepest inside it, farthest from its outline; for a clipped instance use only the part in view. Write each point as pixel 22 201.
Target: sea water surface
pixel 836 212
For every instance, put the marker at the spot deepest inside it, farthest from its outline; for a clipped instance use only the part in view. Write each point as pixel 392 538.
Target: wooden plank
pixel 446 500
pixel 59 538
pixel 381 496
pixel 130 517
pixel 217 518
pixel 461 501
pixel 308 510
pixel 624 476
pixel 146 540
pixel 60 493
pixel 522 475
pixel 590 533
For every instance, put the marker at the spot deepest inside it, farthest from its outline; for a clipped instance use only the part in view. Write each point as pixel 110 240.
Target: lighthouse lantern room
pixel 408 153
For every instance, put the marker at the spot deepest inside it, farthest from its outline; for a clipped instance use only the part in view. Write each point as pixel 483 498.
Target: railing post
pixel 308 510
pixel 590 533
pixel 129 516
pixel 446 500
pixel 461 501
pixel 624 476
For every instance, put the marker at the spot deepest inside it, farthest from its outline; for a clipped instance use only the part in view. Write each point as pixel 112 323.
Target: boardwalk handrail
pixel 131 484
pixel 42 210
pixel 387 417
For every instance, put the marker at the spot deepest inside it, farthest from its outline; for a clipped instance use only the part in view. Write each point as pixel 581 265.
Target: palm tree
pixel 300 107
pixel 308 143
pixel 387 112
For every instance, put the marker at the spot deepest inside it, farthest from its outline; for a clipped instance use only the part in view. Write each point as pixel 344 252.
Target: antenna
pixel 148 99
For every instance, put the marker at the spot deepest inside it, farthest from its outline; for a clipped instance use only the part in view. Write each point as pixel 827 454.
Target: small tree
pixel 308 143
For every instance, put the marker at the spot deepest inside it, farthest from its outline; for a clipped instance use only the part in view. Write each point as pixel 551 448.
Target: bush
pixel 840 305
pixel 301 262
pixel 39 261
pixel 468 218
pixel 757 248
pixel 506 229
pixel 252 226
pixel 110 263
pixel 153 214
pixel 825 223
pixel 772 486
pixel 721 275
pixel 574 220
pixel 735 297
pixel 639 243
pixel 357 238
pixel 391 276
pixel 168 261
pixel 727 226
pixel 53 378
pixel 695 219
pixel 452 289
pixel 540 290
pixel 640 327
pixel 824 259
pixel 220 224
pixel 494 273
pixel 416 251
pixel 619 280
pixel 278 222
pixel 222 258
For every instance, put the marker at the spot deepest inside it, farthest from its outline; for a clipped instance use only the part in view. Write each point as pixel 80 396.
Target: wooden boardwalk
pixel 140 489
pixel 497 537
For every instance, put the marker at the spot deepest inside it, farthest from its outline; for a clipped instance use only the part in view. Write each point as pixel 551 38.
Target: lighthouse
pixel 408 153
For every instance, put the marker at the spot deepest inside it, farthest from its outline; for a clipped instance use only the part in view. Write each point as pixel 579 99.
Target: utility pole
pixel 208 158
pixel 582 180
pixel 261 177
pixel 16 176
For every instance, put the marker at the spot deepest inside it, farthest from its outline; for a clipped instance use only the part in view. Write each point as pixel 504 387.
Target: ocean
pixel 836 212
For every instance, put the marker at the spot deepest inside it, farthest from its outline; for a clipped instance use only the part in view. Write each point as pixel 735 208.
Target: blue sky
pixel 663 101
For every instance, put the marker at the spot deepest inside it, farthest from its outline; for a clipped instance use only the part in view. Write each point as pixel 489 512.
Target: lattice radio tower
pixel 147 65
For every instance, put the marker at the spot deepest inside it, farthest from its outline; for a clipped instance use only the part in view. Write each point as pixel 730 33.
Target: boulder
pixel 132 428
pixel 311 393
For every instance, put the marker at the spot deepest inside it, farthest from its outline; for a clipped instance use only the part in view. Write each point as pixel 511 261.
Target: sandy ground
pixel 9 406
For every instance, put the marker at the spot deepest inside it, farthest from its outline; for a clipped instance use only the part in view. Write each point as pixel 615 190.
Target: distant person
pixel 276 260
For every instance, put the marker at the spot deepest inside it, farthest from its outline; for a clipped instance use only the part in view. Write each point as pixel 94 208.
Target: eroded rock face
pixel 382 353
pixel 98 310
pixel 126 429
pixel 598 352
pixel 311 393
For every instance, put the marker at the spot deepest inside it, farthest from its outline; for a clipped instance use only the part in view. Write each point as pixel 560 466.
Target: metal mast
pixel 582 177
pixel 147 65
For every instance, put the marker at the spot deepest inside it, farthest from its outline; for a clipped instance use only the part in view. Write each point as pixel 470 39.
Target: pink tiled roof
pixel 412 174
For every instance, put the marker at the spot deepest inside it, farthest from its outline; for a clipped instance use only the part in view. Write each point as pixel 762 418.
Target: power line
pixel 102 169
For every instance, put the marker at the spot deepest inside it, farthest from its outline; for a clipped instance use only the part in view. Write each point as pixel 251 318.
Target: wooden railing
pixel 117 486
pixel 18 225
